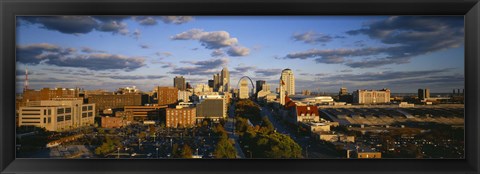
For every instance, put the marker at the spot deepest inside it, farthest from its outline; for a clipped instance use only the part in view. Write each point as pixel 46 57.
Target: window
pixel 60 118
pixel 84 108
pixel 90 114
pixel 68 110
pixel 49 119
pixel 90 108
pixel 84 115
pixel 44 120
pixel 68 117
pixel 60 111
pixel 44 112
pixel 49 112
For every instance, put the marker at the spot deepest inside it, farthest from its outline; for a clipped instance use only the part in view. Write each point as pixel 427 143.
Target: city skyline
pixel 402 53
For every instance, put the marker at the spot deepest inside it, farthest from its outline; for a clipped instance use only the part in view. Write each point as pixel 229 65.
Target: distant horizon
pixel 402 53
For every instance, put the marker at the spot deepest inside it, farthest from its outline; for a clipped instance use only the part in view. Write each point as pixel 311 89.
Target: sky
pixel 402 53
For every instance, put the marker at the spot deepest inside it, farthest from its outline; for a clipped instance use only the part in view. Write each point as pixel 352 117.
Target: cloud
pixel 268 72
pixel 211 40
pixel 144 46
pixel 22 72
pixel 386 75
pixel 90 50
pixel 217 53
pixel 51 80
pixel 346 70
pixel 237 51
pixel 68 57
pixel 64 24
pixel 135 77
pixel 206 67
pixel 115 27
pixel 136 34
pixel 153 20
pixel 404 37
pixel 166 54
pixel 312 37
pixel 241 70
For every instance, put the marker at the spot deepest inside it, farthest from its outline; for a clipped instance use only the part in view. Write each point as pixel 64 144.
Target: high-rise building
pixel 59 114
pixel 179 83
pixel 259 85
pixel 281 92
pixel 211 83
pixel 225 79
pixel 423 93
pixel 216 82
pixel 167 95
pixel 289 80
pixel 243 91
pixel 371 96
pixel 343 91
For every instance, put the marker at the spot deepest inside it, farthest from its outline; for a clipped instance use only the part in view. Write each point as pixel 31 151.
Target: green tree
pixel 225 149
pixel 186 151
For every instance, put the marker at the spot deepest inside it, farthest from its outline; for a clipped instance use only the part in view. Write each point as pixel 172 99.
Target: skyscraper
pixel 289 80
pixel 423 93
pixel 211 84
pixel 216 82
pixel 259 85
pixel 225 79
pixel 179 82
pixel 243 92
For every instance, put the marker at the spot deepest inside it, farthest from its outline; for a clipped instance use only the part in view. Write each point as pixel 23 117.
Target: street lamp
pixel 157 151
pixel 197 151
pixel 118 152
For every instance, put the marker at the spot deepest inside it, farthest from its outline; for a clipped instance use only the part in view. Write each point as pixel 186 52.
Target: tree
pixel 225 149
pixel 186 152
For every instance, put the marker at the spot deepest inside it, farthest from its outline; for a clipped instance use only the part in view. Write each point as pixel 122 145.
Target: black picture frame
pixel 10 8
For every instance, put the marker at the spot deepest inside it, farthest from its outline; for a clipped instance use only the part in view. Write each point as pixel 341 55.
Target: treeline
pixel 261 140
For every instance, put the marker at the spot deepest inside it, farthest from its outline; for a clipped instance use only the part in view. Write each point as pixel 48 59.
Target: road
pixel 230 128
pixel 313 148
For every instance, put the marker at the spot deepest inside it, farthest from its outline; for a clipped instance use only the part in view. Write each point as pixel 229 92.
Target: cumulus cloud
pixel 217 53
pixel 136 34
pixel 214 40
pixel 405 37
pixel 87 24
pixel 237 51
pixel 206 67
pixel 312 37
pixel 211 40
pixel 153 20
pixel 68 57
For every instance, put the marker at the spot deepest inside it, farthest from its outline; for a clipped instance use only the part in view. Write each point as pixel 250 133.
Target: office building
pixel 167 95
pixel 142 113
pixel 180 117
pixel 201 88
pixel 423 94
pixel 344 96
pixel 112 122
pixel 225 80
pixel 184 96
pixel 306 92
pixel 212 108
pixel 60 114
pixel 289 80
pixel 371 96
pixel 259 85
pixel 216 82
pixel 243 92
pixel 179 83
pixel 116 101
pixel 211 84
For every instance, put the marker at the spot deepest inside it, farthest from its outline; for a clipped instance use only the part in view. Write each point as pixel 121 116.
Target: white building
pixel 371 96
pixel 289 80
pixel 60 114
pixel 243 92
